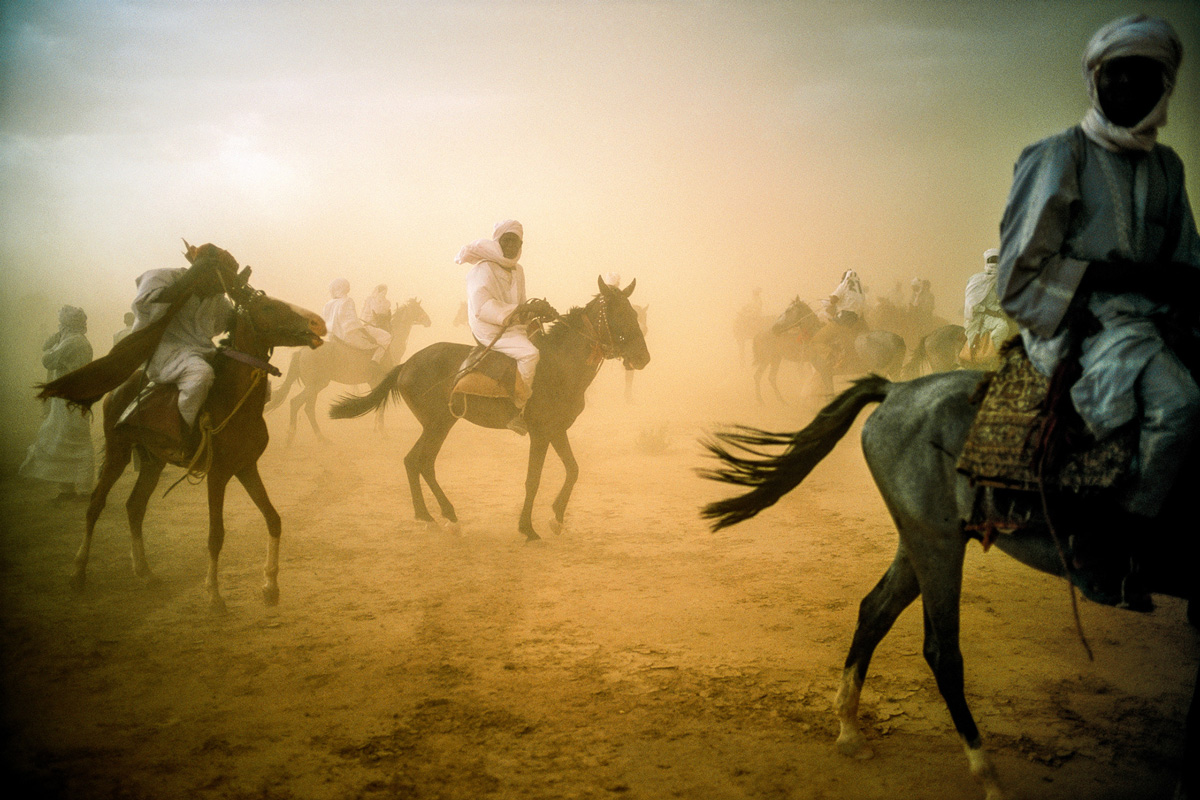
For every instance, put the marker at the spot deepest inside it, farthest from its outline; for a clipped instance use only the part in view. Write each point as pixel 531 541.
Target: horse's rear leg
pixel 135 509
pixel 876 614
pixel 941 590
pixel 252 482
pixel 116 458
pixel 533 478
pixel 562 446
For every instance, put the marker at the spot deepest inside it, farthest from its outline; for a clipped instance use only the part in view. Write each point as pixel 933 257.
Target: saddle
pixel 1012 431
pixel 484 373
pixel 153 419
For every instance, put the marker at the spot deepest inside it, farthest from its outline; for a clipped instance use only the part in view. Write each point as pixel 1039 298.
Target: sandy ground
pixel 637 655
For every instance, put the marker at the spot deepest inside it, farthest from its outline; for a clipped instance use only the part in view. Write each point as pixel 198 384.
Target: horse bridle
pixel 601 335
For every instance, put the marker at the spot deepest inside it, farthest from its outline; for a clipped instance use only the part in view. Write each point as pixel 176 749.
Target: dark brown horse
pixel 572 350
pixel 338 362
pixel 239 435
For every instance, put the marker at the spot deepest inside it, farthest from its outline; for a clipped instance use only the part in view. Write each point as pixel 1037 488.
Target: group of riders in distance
pixel 896 336
pixel 1073 451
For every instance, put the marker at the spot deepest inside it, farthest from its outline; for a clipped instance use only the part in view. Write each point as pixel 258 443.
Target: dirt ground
pixel 637 655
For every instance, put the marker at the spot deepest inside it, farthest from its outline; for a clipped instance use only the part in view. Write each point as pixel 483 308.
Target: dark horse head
pixel 619 330
pixel 796 315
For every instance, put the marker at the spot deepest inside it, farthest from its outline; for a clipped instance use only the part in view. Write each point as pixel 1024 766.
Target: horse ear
pixel 190 252
pixel 628 290
pixel 605 289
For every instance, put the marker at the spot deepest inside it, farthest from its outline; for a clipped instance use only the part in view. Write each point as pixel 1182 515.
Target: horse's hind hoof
pixel 556 527
pixel 531 536
pixel 452 528
pixel 270 595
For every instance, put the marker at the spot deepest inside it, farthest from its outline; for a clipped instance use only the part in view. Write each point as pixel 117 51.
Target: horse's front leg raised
pixel 217 481
pixel 252 482
pixel 562 446
pixel 538 445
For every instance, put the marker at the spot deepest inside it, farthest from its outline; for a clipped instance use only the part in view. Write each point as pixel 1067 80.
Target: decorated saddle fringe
pixel 490 375
pixel 1003 443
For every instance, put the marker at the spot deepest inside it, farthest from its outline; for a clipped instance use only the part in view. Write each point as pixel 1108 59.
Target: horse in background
pixel 338 362
pixel 573 348
pixel 235 405
pixel 747 325
pixel 912 443
pixel 790 337
pixel 937 351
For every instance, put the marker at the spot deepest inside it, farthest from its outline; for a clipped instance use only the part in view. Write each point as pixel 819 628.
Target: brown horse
pixel 341 363
pixel 239 435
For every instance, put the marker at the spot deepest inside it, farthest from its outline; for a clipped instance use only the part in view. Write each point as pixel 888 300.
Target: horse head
pixel 797 313
pixel 276 323
pixel 625 339
pixel 412 313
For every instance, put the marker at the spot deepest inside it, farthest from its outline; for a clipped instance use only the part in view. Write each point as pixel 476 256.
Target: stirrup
pixel 517 424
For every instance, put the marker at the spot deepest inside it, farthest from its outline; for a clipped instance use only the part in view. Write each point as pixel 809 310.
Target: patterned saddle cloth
pixel 1001 447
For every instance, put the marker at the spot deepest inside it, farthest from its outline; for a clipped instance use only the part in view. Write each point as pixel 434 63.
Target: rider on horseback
pixel 344 324
pixel 845 310
pixel 987 326
pixel 497 310
pixel 184 353
pixel 1099 256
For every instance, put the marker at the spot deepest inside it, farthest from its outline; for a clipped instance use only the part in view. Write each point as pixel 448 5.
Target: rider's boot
pixel 517 423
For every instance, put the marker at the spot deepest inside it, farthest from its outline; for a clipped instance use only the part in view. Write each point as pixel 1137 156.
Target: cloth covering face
pixel 1135 35
pixel 850 294
pixel 377 308
pixel 184 353
pixel 63 452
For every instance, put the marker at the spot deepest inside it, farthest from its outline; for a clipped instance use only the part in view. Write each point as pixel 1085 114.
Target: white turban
pixel 613 279
pixel 991 254
pixel 484 250
pixel 508 226
pixel 340 287
pixel 1135 35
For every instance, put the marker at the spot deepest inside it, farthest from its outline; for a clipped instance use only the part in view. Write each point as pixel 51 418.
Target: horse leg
pixel 533 478
pixel 251 481
pixel 773 376
pixel 216 535
pixel 420 463
pixel 628 386
pixel 758 371
pixel 294 412
pixel 116 458
pixel 876 614
pixel 310 410
pixel 135 510
pixel 941 589
pixel 562 446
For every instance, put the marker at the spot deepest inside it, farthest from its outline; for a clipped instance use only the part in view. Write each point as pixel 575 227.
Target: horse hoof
pixel 270 595
pixel 431 526
pixel 217 605
pixel 556 527
pixel 854 747
pixel 453 528
pixel 531 536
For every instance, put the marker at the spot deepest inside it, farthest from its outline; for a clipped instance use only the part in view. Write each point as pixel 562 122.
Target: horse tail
pixel 773 476
pixel 349 406
pixel 278 395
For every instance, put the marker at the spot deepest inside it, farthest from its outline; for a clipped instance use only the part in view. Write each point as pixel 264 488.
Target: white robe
pixel 183 354
pixel 342 322
pixel 493 293
pixel 63 452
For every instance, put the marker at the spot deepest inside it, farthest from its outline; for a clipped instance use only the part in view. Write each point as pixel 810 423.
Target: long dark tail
pixel 280 393
pixel 349 406
pixel 773 476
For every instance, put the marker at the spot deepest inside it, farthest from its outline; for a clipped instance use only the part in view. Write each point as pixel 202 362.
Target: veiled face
pixel 1129 88
pixel 510 245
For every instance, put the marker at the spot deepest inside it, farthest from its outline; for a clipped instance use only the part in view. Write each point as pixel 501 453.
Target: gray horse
pixel 338 362
pixel 911 444
pixel 936 351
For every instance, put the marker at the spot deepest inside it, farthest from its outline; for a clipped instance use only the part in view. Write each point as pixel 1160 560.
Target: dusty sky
pixel 703 147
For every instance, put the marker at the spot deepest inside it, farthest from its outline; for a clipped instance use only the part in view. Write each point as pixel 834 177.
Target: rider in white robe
pixel 495 287
pixel 343 323
pixel 62 452
pixel 184 354
pixel 982 313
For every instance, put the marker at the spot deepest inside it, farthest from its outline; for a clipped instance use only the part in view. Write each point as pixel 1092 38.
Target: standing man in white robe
pixel 62 452
pixel 495 289
pixel 343 323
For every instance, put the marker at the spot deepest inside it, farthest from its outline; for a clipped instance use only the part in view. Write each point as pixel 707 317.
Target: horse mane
pixel 556 330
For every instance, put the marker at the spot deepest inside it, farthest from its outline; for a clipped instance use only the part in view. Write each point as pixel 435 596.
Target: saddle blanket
pixel 1000 447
